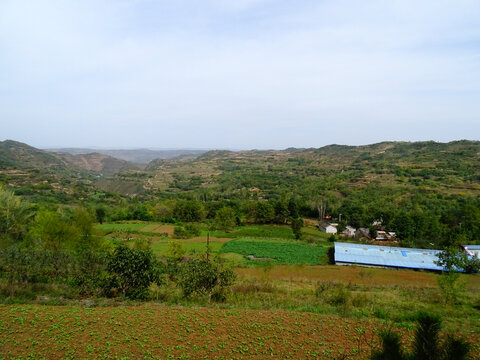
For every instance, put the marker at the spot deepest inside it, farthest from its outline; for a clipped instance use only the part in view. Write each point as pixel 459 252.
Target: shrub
pixel 331 255
pixel 455 349
pixel 297 227
pixel 205 278
pixel 225 218
pixel 333 293
pixel 187 231
pixel 131 271
pixel 426 344
pixel 391 347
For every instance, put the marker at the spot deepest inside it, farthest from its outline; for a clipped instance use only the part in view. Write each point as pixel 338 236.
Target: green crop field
pixel 258 231
pixel 282 252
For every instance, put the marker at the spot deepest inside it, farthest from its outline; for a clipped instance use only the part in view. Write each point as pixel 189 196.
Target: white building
pixel 327 227
pixel 472 250
pixel 349 231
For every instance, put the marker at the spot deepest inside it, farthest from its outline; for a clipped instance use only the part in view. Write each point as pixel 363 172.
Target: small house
pixel 381 235
pixel 327 227
pixel 349 231
pixel 362 233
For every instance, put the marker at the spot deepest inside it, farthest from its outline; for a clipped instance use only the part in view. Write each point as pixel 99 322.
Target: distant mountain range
pixel 14 154
pixel 139 156
pixel 437 167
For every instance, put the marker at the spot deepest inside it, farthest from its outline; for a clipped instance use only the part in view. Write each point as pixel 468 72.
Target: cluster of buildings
pixel 384 255
pixel 360 233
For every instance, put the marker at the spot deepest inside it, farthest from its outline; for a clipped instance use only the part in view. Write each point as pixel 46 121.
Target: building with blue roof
pixel 386 256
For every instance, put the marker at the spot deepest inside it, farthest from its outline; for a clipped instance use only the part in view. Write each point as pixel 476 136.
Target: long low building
pixel 386 256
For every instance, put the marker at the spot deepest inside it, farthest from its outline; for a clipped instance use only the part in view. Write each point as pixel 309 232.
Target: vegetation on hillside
pixel 239 228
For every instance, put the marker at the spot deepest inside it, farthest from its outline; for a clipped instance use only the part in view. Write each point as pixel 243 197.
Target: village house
pixel 381 235
pixel 349 231
pixel 327 227
pixel 362 233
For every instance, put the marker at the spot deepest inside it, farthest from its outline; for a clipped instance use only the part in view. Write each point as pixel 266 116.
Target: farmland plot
pixel 281 252
pixel 160 332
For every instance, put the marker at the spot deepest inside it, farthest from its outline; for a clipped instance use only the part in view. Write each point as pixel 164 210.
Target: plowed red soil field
pixel 160 332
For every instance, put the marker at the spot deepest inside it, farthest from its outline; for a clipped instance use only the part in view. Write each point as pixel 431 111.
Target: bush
pixel 391 347
pixel 131 271
pixel 297 227
pixel 225 218
pixel 333 293
pixel 203 277
pixel 426 344
pixel 187 231
pixel 455 349
pixel 450 286
pixel 331 255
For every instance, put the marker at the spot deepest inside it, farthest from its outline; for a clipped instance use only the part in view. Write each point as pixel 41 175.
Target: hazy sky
pixel 238 73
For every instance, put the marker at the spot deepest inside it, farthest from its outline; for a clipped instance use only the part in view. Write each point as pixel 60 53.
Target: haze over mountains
pixel 140 156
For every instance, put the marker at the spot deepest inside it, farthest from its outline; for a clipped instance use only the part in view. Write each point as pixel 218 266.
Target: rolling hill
pixel 443 168
pixel 139 156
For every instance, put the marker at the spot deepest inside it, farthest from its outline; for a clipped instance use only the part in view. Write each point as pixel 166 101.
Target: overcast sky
pixel 238 74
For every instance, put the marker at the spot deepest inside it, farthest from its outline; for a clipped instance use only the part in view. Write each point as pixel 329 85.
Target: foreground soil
pixel 153 331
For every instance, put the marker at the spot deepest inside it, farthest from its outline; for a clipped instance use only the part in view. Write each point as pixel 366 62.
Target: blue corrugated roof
pixel 472 247
pixel 387 256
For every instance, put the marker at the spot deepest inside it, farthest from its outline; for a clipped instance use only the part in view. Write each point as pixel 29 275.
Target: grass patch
pixel 121 227
pixel 282 252
pixel 150 227
pixel 160 247
pixel 260 231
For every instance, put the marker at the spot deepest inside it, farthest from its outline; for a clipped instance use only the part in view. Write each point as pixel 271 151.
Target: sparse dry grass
pixel 356 275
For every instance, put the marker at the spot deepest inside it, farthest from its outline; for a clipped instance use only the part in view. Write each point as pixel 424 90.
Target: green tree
pixel 131 271
pixel 297 227
pixel 53 231
pixel 15 216
pixel 100 214
pixel 453 259
pixel 225 218
pixel 342 225
pixel 260 212
pixel 188 210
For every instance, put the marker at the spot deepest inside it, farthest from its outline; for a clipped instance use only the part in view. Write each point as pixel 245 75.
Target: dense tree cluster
pixel 419 219
pixel 59 246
